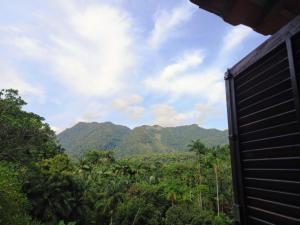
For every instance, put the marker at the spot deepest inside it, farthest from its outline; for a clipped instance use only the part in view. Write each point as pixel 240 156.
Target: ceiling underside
pixel 264 16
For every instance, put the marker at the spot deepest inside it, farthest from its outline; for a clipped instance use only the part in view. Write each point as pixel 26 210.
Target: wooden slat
pixel 265 93
pixel 286 174
pixel 284 197
pixel 272 217
pixel 281 129
pixel 285 139
pixel 274 77
pixel 273 184
pixel 266 112
pixel 272 163
pixel 266 102
pixel 243 76
pixel 270 121
pixel 257 221
pixel 278 151
pixel 285 210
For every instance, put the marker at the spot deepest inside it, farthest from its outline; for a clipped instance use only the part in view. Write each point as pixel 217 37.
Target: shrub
pixel 14 205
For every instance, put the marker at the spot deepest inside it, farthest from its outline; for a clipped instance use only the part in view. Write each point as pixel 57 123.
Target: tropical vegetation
pixel 41 185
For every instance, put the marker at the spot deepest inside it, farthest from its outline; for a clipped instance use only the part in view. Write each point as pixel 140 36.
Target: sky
pixel 130 62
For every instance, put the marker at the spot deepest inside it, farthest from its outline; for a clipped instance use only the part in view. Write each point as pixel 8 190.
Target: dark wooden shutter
pixel 264 131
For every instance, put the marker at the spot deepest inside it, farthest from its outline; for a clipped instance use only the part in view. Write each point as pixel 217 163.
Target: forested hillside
pixel 84 136
pixel 41 185
pixel 140 140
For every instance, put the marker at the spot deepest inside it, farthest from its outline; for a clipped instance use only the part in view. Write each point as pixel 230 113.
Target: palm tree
pixel 199 148
pixel 216 156
pixel 216 168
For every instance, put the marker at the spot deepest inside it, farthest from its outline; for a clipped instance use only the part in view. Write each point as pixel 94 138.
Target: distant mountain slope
pixel 139 141
pixel 179 137
pixel 143 140
pixel 84 136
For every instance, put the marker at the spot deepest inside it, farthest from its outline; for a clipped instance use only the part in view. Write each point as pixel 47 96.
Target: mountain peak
pixel 140 140
pixel 99 123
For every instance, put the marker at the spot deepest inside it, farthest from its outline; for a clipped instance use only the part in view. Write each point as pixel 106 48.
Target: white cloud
pixel 56 129
pixel 186 77
pixel 203 111
pixel 93 112
pixel 10 78
pixel 186 62
pixel 90 50
pixel 176 79
pixel 235 37
pixel 167 116
pixel 10 29
pixel 28 47
pixel 166 23
pixel 97 60
pixel 130 106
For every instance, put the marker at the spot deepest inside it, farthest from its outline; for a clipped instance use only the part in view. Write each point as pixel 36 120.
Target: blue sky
pixel 131 62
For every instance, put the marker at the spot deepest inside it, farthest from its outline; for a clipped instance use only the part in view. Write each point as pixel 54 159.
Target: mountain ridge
pixel 144 139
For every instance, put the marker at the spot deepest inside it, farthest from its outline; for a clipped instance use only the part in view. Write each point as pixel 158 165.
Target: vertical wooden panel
pixel 239 207
pixel 264 128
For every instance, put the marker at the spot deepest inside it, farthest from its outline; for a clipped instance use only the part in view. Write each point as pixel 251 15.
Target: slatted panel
pixel 296 47
pixel 269 137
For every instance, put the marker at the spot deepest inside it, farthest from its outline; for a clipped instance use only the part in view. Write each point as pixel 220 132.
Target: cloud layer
pixel 167 23
pixel 97 61
pixel 90 52
pixel 130 106
pixel 10 78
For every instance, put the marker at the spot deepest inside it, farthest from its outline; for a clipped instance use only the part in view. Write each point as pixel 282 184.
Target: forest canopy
pixel 41 184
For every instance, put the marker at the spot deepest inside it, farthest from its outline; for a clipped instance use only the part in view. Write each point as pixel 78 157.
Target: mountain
pixel 84 136
pixel 143 140
pixel 138 141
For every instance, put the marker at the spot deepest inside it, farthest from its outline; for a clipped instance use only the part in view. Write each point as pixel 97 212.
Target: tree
pixel 24 136
pixel 95 157
pixel 14 206
pixel 199 148
pixel 54 192
pixel 39 181
pixel 217 172
pixel 137 211
pixel 216 169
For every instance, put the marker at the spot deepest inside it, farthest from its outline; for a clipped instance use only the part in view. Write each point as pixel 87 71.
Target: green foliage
pixel 137 211
pixel 94 157
pixel 14 205
pixel 53 190
pixel 139 141
pixel 179 137
pixel 61 222
pixel 40 183
pixel 198 147
pixel 24 136
pixel 85 136
pixel 142 140
pixel 187 214
pixel 182 214
pixel 158 189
